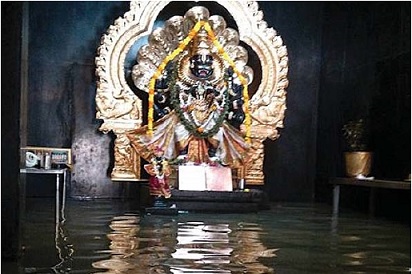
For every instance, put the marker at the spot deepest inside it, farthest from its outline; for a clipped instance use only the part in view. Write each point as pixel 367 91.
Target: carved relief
pixel 125 164
pixel 254 170
pixel 121 110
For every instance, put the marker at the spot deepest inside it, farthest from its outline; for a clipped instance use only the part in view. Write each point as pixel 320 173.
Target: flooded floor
pixel 111 236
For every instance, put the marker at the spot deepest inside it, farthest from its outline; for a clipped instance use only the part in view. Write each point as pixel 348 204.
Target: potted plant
pixel 358 160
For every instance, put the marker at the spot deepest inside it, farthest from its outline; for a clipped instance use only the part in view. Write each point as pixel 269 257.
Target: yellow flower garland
pixel 176 52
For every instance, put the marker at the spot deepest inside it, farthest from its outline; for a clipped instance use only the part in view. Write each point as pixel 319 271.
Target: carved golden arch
pixel 121 110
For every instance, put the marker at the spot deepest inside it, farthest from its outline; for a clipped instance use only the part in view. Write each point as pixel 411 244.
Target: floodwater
pixel 111 236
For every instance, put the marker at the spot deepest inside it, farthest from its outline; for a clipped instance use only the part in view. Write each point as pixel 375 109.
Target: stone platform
pixel 236 201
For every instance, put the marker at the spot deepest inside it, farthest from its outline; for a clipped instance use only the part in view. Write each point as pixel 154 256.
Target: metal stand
pixel 57 172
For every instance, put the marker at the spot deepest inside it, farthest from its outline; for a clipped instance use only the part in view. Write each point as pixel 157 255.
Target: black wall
pixel 365 72
pixel 11 15
pixel 290 161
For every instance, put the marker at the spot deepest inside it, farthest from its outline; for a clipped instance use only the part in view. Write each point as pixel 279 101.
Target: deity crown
pixel 201 44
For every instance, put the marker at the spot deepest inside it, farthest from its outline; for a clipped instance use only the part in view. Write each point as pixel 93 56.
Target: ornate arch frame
pixel 121 110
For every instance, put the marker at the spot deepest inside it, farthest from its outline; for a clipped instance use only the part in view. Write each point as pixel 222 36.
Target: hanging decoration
pixel 222 53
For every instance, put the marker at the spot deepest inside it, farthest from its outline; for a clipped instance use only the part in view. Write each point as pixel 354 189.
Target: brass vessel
pixel 358 163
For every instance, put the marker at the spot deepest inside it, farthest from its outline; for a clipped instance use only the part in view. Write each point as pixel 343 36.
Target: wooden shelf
pixel 371 183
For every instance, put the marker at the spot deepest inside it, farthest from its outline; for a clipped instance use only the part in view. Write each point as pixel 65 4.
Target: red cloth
pixel 159 186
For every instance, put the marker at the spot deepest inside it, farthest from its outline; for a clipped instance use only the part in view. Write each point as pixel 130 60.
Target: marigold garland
pixel 176 52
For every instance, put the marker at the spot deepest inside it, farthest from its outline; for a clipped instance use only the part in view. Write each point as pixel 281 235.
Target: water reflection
pixel 165 245
pixel 64 249
pixel 92 240
pixel 123 244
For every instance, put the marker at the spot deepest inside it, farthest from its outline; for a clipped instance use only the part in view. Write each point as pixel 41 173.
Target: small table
pixel 372 184
pixel 57 172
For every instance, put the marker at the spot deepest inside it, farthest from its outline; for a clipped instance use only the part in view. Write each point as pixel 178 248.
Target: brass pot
pixel 358 163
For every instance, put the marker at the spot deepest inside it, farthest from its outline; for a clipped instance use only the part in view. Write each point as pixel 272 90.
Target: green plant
pixel 355 134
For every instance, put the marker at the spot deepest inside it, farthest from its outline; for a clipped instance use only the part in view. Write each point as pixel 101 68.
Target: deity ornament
pixel 197 95
pixel 159 172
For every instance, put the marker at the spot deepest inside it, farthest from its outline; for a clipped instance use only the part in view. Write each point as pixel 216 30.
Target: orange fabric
pixel 232 147
pixel 198 150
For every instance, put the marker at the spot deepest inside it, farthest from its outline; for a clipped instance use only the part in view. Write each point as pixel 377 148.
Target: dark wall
pixel 64 37
pixel 11 15
pixel 365 72
pixel 290 161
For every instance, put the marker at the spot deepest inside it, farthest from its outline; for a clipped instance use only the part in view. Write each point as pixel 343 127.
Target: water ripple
pixel 168 246
pixel 100 237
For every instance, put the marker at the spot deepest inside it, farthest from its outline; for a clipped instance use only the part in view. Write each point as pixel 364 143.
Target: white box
pixel 201 178
pixel 218 179
pixel 192 178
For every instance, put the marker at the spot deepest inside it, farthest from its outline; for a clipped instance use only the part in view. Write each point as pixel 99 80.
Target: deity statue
pixel 159 172
pixel 198 95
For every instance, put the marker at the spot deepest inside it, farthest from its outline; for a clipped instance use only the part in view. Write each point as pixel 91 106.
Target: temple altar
pixel 196 92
